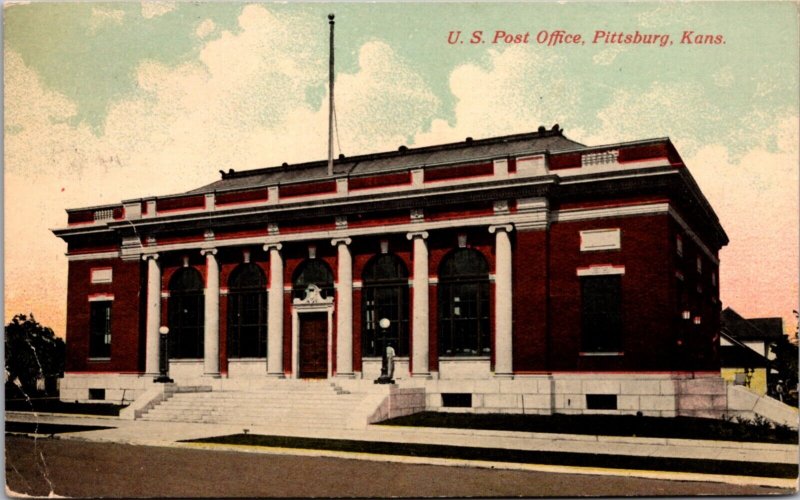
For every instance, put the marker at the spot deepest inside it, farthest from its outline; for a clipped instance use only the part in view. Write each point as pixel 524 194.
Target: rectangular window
pixel 699 265
pixel 97 394
pixel 601 402
pixel 679 245
pixel 601 313
pixel 456 400
pixel 101 275
pixel 100 329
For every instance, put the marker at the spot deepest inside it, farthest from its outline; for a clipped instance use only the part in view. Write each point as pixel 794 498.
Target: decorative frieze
pixel 601 158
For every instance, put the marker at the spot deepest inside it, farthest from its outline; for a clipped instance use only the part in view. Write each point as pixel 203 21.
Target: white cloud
pixel 102 16
pixel 241 104
pixel 678 110
pixel 205 28
pixel 755 197
pixel 519 90
pixel 607 56
pixel 151 9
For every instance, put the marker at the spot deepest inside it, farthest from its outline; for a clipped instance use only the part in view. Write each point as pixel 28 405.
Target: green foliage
pixel 32 351
pixel 786 363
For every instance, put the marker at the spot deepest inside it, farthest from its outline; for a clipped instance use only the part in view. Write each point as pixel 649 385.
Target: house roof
pixel 772 327
pixel 737 356
pixel 402 159
pixel 741 329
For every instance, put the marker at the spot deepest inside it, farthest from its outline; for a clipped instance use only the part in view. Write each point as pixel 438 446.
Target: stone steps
pixel 280 404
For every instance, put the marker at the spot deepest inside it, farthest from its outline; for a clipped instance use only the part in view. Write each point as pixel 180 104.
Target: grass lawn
pixel 607 425
pixel 513 456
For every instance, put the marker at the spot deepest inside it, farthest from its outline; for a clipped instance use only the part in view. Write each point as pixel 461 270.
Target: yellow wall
pixel 758 383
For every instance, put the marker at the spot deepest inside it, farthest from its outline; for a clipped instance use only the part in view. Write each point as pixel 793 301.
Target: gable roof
pixel 402 159
pixel 741 329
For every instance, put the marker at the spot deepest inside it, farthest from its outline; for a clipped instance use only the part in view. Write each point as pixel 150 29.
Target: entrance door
pixel 314 345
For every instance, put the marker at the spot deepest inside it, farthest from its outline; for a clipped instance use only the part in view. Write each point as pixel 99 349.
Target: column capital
pixel 153 256
pixel 417 234
pixel 501 227
pixel 208 251
pixel 337 241
pixel 269 246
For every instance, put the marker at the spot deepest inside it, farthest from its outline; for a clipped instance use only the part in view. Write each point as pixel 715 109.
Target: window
pixel 601 313
pixel 97 394
pixel 464 304
pixel 385 295
pixel 247 312
pixel 679 245
pixel 456 400
pixel 601 402
pixel 100 329
pixel 699 265
pixel 185 313
pixel 312 271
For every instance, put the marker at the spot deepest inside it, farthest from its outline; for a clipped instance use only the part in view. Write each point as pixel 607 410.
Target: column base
pixel 421 375
pixel 345 375
pixel 212 375
pixel 504 375
pixel 276 375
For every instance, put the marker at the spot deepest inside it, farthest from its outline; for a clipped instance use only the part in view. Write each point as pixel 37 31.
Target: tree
pixel 32 352
pixel 786 363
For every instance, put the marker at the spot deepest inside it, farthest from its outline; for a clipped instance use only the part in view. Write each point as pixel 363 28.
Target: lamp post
pixel 384 325
pixel 163 361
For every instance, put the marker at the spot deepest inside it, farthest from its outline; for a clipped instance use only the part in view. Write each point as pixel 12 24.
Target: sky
pixel 112 101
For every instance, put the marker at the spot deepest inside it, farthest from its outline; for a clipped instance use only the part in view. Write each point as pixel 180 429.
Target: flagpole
pixel 330 102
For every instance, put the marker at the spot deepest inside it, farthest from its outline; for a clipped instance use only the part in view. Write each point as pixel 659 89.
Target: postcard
pixel 401 249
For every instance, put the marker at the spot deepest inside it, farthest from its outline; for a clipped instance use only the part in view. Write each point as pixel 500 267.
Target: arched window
pixel 185 312
pixel 385 295
pixel 464 304
pixel 247 312
pixel 312 271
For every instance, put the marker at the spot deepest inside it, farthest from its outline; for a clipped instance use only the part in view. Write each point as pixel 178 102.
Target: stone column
pixel 153 313
pixel 275 311
pixel 344 309
pixel 503 300
pixel 419 306
pixel 211 326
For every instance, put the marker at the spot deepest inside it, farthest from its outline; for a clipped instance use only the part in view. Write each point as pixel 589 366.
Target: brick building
pixel 519 273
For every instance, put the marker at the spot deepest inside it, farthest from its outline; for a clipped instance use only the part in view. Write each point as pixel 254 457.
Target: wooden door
pixel 314 345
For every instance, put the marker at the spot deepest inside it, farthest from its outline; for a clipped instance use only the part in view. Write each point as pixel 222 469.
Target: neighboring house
pixel 758 334
pixel 518 273
pixel 742 365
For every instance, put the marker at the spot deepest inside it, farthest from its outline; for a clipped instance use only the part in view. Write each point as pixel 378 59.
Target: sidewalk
pixel 170 433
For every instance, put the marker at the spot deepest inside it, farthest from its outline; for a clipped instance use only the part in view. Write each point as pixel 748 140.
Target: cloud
pixel 205 28
pixel 517 90
pixel 151 9
pixel 607 56
pixel 755 196
pixel 242 103
pixel 104 16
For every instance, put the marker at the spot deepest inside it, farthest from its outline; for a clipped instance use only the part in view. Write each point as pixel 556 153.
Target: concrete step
pixel 280 404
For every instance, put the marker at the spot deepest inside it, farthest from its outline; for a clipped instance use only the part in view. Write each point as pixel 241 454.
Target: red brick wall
pixel 530 251
pixel 646 299
pixel 126 330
